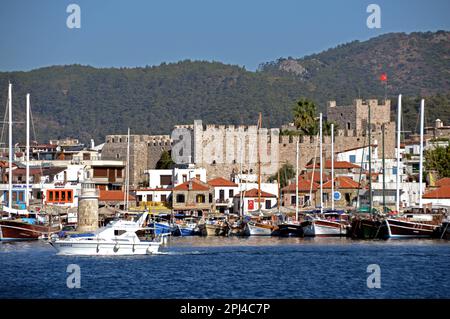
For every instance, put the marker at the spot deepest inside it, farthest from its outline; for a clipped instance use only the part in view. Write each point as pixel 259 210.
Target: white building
pixel 251 204
pixel 224 191
pixel 169 178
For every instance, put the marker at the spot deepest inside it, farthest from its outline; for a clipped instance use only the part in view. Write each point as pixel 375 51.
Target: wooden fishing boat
pixel 261 229
pixel 16 230
pixel 416 223
pixel 288 230
pixel 325 225
pixel 367 228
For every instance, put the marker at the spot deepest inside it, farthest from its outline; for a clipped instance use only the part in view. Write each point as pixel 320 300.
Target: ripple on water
pixel 216 267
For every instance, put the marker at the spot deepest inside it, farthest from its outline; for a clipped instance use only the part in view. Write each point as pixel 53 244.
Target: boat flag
pixel 383 77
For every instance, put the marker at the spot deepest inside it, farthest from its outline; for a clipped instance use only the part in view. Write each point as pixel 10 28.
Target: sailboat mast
pixel 384 168
pixel 27 154
pixel 10 145
pixel 397 177
pixel 296 184
pixel 332 166
pixel 128 169
pixel 370 160
pixel 259 161
pixel 321 164
pixel 422 117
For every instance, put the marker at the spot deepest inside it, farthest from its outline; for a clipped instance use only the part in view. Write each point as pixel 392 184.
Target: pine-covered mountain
pixel 87 102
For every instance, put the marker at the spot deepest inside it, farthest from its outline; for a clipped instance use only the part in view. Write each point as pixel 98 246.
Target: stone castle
pixel 224 149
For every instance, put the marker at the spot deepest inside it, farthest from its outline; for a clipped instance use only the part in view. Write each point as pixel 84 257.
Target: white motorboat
pixel 119 237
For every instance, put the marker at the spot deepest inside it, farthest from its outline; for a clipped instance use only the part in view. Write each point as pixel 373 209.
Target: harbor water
pixel 221 267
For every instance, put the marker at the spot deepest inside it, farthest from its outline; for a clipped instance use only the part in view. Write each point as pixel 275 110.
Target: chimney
pixel 92 143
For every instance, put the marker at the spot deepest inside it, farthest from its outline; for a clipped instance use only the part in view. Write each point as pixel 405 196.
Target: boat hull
pixel 323 228
pixel 368 229
pixel 408 229
pixel 289 230
pixel 94 248
pixel 216 230
pixel 11 230
pixel 260 230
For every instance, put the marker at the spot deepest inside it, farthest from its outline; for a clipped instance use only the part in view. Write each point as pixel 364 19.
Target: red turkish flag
pixel 251 204
pixel 383 77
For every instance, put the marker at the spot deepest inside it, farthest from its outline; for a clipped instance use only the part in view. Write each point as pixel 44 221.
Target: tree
pixel 165 161
pixel 305 119
pixel 286 172
pixel 305 116
pixel 438 160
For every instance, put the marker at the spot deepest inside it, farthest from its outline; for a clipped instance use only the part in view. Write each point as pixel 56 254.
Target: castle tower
pixel 88 207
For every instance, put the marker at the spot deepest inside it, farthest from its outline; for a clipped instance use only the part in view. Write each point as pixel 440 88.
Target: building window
pixel 268 204
pixel 221 194
pixel 200 198
pixel 149 198
pixel 230 193
pixel 163 198
pixel 180 198
pixel 394 170
pixel 59 196
pixel 100 172
pixel 352 158
pixel 197 176
pixel 165 180
pixel 293 199
pixel 184 178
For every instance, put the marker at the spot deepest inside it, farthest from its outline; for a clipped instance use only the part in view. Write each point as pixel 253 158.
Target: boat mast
pixel 321 164
pixel 296 183
pixel 27 154
pixel 10 147
pixel 397 177
pixel 128 169
pixel 370 161
pixel 241 204
pixel 259 162
pixel 332 166
pixel 384 168
pixel 422 117
pixel 279 191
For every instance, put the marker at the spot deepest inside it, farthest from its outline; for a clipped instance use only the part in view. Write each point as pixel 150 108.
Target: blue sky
pixel 131 33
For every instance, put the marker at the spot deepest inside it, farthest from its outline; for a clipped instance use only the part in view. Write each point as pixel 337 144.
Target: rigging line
pixel 4 122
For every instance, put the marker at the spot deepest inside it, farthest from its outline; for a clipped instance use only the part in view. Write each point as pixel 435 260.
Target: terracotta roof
pixel 303 186
pixel 441 192
pixel 342 182
pixel 443 182
pixel 197 185
pixel 114 196
pixel 254 193
pixel 337 165
pixel 220 181
pixel 315 177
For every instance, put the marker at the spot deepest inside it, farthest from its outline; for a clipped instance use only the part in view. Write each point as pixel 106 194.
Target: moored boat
pixel 16 230
pixel 327 224
pixel 260 229
pixel 288 230
pixel 415 223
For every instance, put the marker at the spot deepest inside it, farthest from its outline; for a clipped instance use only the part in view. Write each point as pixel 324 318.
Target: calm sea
pixel 220 267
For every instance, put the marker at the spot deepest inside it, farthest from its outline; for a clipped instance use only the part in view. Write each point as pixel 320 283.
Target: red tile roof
pixel 315 177
pixel 443 182
pixel 342 182
pixel 197 185
pixel 441 192
pixel 303 186
pixel 337 165
pixel 221 182
pixel 114 196
pixel 254 193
